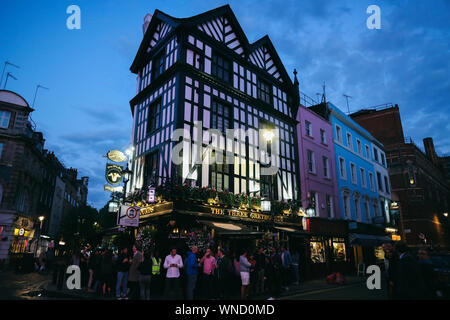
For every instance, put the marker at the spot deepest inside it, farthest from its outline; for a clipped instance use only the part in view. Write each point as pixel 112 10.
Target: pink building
pixel 317 165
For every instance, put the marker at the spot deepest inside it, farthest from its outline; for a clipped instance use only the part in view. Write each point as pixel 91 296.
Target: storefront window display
pixel 317 251
pixel 339 250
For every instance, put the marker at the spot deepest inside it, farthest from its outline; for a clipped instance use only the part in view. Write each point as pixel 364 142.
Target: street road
pixel 356 291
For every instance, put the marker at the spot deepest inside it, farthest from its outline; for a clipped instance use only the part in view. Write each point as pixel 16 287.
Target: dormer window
pixel 158 65
pixel 5 116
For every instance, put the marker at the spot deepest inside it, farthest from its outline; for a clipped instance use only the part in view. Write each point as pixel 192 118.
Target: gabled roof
pixel 266 42
pixel 248 48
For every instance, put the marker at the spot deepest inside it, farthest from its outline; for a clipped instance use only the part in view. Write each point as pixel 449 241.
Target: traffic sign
pixel 128 216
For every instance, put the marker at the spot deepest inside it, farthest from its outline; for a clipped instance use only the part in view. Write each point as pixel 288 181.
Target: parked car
pixel 441 265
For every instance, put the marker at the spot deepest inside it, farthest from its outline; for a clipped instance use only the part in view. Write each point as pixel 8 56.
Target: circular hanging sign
pixel 113 174
pixel 21 231
pixel 116 156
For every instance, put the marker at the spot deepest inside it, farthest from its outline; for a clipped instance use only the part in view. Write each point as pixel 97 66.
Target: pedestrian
pixel 244 266
pixel 428 275
pixel 260 269
pixel 253 275
pixel 223 272
pixel 123 266
pixel 172 263
pixel 390 265
pixel 208 264
pixel 191 272
pixel 107 272
pixel 133 276
pixel 156 283
pixel 286 264
pixel 91 264
pixel 237 282
pixel 145 275
pixel 408 280
pixel 41 261
pixel 275 282
pixel 84 257
pixel 50 258
pixel 59 273
pixel 295 264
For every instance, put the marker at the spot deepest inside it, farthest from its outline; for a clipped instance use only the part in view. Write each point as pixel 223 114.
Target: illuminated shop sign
pixel 240 214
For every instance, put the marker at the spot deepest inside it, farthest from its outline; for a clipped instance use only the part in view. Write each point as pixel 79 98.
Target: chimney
pixel 296 90
pixel 429 149
pixel 147 19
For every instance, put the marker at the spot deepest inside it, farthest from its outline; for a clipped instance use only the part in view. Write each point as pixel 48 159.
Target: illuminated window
pixel 339 254
pixel 220 177
pixel 317 251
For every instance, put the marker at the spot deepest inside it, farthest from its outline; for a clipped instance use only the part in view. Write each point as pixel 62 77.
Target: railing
pixel 306 100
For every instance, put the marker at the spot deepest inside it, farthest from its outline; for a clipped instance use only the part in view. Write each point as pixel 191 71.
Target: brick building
pixel 28 175
pixel 419 185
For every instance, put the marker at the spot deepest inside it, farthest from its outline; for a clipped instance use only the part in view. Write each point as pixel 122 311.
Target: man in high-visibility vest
pixel 156 266
pixel 156 273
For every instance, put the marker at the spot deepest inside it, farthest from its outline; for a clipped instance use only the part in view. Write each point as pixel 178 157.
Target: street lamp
pixel 126 174
pixel 41 219
pixel 310 211
pixel 268 135
pixel 265 205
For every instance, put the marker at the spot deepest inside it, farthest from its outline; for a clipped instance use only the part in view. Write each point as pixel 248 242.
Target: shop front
pixel 327 249
pixel 184 224
pixel 366 242
pixel 23 242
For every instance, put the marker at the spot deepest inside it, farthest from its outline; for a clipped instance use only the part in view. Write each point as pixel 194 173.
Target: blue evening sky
pixel 86 111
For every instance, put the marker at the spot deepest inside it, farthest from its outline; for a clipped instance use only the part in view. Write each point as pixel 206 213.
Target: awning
pixel 231 229
pixel 293 232
pixel 367 240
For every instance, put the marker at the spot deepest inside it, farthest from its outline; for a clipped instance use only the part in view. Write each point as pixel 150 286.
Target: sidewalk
pixel 308 286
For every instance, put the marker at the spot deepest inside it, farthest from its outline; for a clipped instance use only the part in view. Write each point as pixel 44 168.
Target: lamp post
pixel 126 177
pixel 310 210
pixel 41 220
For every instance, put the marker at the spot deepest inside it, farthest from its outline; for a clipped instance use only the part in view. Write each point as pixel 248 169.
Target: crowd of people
pixel 139 274
pixel 408 277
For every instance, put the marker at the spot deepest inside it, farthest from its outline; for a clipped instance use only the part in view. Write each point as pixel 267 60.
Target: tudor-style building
pixel 202 73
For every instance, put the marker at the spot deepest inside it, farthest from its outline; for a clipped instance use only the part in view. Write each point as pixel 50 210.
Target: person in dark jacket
pixel 223 274
pixel 427 272
pixel 390 265
pixel 191 264
pixel 145 275
pixel 260 267
pixel 123 266
pixel 408 280
pixel 107 272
